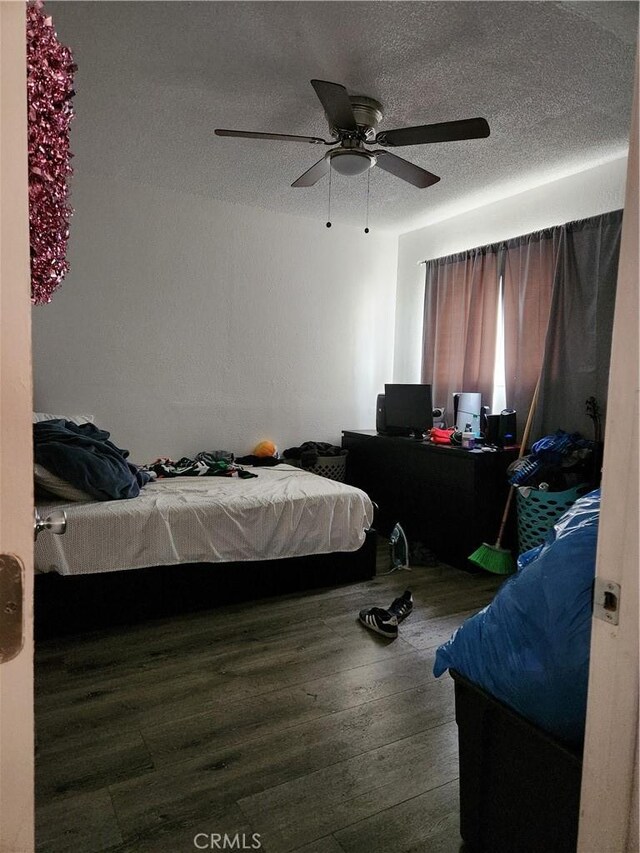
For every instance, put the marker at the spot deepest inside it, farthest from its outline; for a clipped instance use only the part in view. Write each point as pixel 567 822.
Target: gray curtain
pixel 578 341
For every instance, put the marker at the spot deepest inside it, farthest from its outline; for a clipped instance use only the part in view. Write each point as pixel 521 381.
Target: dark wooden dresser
pixel 449 499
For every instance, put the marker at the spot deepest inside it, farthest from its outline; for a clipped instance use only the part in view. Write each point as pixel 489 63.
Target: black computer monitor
pixel 408 409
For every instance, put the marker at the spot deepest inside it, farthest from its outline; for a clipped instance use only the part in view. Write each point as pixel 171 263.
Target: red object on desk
pixel 440 436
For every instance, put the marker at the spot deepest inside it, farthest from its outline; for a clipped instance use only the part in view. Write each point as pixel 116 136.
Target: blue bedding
pixel 530 647
pixel 82 455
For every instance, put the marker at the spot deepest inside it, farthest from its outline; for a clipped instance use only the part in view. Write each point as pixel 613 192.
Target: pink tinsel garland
pixel 50 69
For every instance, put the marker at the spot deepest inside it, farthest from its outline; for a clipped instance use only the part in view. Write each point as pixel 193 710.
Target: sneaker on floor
pixel 380 621
pixel 402 606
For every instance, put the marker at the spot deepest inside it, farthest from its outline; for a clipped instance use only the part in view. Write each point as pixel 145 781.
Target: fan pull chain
pixel 329 214
pixel 366 224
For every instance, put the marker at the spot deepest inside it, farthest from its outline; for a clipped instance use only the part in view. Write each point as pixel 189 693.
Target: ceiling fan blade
pixel 336 103
pixel 404 169
pixel 446 131
pixel 313 175
pixel 283 137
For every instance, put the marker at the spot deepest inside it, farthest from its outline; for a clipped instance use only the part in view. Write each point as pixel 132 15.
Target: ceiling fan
pixel 353 120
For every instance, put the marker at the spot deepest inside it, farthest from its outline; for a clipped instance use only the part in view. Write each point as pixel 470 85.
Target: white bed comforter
pixel 284 512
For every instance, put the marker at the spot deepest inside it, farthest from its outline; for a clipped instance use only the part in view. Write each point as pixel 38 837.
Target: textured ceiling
pixel 553 80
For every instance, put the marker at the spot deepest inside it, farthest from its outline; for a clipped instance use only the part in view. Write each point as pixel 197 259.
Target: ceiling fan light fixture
pixel 353 121
pixel 347 161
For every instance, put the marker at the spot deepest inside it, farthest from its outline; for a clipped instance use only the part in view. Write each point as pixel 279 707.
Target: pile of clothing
pixel 556 463
pixel 309 451
pixel 83 456
pixel 216 463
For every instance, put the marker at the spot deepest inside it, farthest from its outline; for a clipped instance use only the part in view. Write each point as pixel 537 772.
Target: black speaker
pixel 508 428
pixel 381 415
pixel 456 400
pixel 492 429
pixel 484 414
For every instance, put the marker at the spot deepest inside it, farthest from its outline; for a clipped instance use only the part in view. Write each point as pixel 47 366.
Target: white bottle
pixel 468 438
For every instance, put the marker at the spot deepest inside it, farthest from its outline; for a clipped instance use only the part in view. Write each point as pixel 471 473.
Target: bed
pixel 196 542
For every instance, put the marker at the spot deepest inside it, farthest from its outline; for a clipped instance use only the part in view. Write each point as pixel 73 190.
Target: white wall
pixel 186 324
pixel 577 196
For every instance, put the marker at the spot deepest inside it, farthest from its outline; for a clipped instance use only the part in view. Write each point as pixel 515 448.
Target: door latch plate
pixel 11 595
pixel 606 601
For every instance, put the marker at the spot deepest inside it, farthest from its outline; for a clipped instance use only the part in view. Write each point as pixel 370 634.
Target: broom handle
pixel 523 444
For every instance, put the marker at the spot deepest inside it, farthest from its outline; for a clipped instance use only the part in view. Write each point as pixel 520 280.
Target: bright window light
pixel 499 401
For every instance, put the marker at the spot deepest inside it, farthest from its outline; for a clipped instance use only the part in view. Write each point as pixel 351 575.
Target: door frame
pixel 16 465
pixel 609 796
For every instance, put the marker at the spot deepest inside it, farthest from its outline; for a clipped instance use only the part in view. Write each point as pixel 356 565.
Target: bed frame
pixel 519 785
pixel 80 603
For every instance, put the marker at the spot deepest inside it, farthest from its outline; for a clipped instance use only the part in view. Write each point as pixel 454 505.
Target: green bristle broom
pixel 494 558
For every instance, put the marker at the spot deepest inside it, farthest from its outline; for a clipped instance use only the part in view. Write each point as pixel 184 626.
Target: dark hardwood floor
pixel 283 717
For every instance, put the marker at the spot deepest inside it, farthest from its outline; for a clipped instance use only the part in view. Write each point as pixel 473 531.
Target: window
pixel 499 398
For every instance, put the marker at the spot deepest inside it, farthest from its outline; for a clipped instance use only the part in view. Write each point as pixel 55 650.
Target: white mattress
pixel 284 512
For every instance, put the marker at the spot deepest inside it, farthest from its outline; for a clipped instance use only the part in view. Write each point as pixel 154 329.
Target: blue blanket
pixel 530 647
pixel 83 456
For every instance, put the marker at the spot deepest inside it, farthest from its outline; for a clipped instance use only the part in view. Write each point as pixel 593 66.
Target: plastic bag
pixel 529 648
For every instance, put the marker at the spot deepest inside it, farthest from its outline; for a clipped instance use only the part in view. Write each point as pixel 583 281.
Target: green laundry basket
pixel 539 510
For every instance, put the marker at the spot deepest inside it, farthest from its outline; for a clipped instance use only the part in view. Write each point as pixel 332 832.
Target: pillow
pixel 76 419
pixel 57 486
